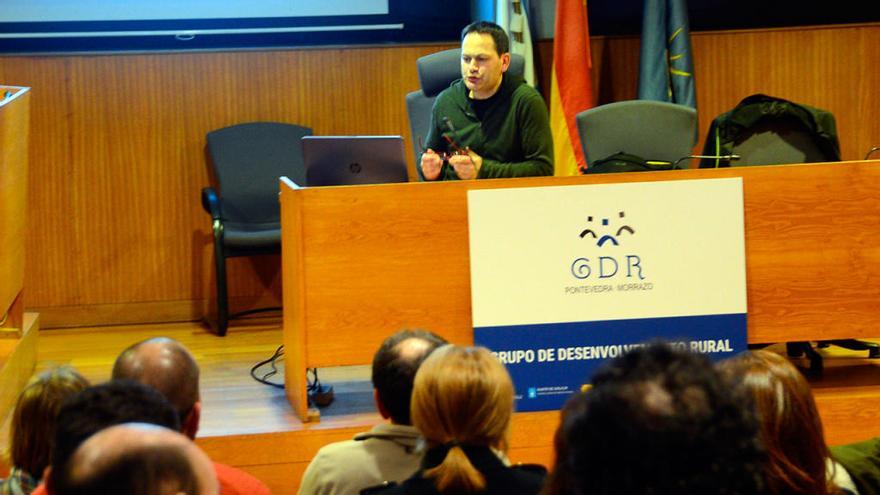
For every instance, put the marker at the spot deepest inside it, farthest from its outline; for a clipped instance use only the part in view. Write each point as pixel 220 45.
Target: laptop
pixel 349 160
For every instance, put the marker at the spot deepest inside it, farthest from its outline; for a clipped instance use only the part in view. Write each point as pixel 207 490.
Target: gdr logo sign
pixel 606 267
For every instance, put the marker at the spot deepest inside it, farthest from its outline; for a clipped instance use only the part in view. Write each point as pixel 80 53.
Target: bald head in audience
pixel 138 459
pixel 394 369
pixel 167 366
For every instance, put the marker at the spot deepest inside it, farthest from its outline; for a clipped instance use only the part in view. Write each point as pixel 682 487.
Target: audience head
pixel 101 406
pixel 394 368
pixel 137 459
pixel 167 366
pixel 658 421
pixel 462 398
pixel 33 420
pixel 791 429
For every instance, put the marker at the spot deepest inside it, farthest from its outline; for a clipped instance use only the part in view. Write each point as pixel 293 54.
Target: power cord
pixel 319 394
pixel 274 371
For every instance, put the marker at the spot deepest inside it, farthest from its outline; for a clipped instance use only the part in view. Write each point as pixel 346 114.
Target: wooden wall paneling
pixel 54 273
pixel 830 67
pixel 117 151
pixel 615 73
pixel 128 133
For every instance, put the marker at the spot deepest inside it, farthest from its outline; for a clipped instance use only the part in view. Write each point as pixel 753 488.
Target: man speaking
pixel 488 124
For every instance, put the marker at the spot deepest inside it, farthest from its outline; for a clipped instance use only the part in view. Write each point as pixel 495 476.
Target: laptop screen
pixel 349 160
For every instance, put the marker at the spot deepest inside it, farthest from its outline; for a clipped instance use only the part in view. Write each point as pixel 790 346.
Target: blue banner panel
pixel 549 362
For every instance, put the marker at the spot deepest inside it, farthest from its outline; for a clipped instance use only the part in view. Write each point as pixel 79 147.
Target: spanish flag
pixel 572 85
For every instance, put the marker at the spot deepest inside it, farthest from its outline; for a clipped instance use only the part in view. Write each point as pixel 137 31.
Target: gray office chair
pixel 652 130
pixel 247 160
pixel 436 72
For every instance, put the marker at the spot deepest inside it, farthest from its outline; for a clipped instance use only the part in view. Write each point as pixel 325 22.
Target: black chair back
pixel 248 159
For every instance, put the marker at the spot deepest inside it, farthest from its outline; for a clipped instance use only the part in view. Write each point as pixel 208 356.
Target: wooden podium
pixel 360 262
pixel 14 129
pixel 18 335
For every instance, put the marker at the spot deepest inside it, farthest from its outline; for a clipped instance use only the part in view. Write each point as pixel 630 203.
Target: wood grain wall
pixel 116 231
pixel 830 67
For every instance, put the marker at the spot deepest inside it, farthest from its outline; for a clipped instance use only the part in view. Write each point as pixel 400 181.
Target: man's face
pixel 481 66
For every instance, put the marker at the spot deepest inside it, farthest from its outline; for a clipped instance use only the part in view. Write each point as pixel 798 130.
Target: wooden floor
pixel 251 425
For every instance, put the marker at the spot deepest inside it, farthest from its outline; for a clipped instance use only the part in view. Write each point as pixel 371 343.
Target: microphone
pixel 729 158
pixel 448 124
pixel 457 150
pixel 871 152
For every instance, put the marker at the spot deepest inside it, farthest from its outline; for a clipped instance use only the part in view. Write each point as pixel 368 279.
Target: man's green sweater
pixel 862 462
pixel 510 130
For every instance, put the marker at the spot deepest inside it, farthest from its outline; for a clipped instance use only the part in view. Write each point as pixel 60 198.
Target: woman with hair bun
pixel 462 404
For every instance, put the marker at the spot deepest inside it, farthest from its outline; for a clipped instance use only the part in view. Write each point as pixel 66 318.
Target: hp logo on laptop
pixel 355 168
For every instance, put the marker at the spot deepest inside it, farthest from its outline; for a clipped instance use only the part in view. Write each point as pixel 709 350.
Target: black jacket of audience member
pixel 526 479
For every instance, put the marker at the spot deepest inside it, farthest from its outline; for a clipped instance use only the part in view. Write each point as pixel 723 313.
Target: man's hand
pixel 431 165
pixel 466 166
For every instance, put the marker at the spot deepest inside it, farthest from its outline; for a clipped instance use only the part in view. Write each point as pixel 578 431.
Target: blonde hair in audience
pixel 33 420
pixel 462 396
pixel 791 429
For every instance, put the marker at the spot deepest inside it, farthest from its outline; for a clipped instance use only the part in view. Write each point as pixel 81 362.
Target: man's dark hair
pixel 108 404
pixel 151 470
pixel 658 421
pixel 502 42
pixel 393 373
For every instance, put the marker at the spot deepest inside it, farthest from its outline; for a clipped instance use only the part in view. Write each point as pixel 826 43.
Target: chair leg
pixel 222 297
pixel 798 349
pixel 817 366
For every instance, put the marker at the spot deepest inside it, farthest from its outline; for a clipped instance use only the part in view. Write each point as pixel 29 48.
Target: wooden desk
pixel 361 262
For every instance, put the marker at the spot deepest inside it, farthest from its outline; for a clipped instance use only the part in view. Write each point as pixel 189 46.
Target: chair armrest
pixel 211 202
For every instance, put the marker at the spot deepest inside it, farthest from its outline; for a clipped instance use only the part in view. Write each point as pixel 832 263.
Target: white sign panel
pixel 570 265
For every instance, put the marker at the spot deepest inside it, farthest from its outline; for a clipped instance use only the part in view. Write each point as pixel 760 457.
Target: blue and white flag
pixel 511 15
pixel 666 65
